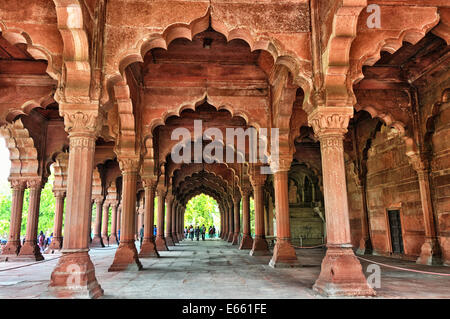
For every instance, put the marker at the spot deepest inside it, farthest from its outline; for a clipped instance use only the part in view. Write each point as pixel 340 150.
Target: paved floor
pixel 215 269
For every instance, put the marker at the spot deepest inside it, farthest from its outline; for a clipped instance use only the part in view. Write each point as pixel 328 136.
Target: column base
pixel 126 258
pixel 260 247
pixel 161 244
pixel 148 249
pixel 341 275
pixel 230 237
pixel 180 237
pixel 30 251
pixel 235 240
pixel 74 277
pixel 97 241
pixel 284 255
pixel 246 242
pixel 175 238
pixel 12 248
pixel 55 245
pixel 105 240
pixel 113 240
pixel 169 240
pixel 429 253
pixel 365 247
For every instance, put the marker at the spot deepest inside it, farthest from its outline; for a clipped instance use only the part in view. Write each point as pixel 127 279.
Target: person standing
pixel 41 241
pixel 191 232
pixel 203 231
pixel 197 233
pixel 141 234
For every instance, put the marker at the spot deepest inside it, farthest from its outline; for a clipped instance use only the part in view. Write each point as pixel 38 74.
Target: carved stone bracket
pixel 330 120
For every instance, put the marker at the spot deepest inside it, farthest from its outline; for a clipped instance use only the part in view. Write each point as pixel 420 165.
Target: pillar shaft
pixel 430 253
pixel 97 241
pixel 13 245
pixel 57 239
pixel 247 240
pixel 31 250
pixel 105 218
pixel 160 240
pixel 148 248
pixel 341 272
pixel 237 222
pixel 75 257
pixel 230 223
pixel 113 237
pixel 168 230
pixel 260 246
pixel 126 256
pixel 283 253
pixel 174 222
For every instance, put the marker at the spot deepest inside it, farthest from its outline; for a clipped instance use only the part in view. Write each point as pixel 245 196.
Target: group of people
pixel 43 241
pixel 199 231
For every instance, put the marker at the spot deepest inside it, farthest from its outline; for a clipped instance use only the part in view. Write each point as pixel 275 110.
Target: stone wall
pixel 392 183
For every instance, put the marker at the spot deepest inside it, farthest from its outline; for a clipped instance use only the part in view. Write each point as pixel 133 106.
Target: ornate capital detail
pixel 129 164
pixel 330 120
pixel 98 200
pixel 59 193
pixel 419 163
pixel 35 183
pixel 280 164
pixel 258 180
pixel 149 182
pixel 161 190
pixel 81 122
pixel 246 190
pixel 18 184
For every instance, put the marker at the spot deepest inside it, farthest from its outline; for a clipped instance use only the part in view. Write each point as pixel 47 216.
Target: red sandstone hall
pixel 132 100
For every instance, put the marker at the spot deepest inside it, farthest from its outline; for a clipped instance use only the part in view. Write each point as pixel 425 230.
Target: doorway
pixel 396 231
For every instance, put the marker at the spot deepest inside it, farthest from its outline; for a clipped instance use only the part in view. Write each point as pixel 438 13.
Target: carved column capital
pixel 34 183
pixel 246 190
pixel 327 121
pixel 161 190
pixel 149 182
pixel 58 193
pixel 18 184
pixel 281 164
pixel 81 122
pixel 129 165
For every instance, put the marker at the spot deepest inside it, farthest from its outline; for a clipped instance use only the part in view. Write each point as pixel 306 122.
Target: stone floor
pixel 215 269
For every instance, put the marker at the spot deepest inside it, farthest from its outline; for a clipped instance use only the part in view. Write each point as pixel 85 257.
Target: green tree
pixel 202 209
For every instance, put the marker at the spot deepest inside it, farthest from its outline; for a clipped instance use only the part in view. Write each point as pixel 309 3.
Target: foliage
pixel 46 209
pixel 202 209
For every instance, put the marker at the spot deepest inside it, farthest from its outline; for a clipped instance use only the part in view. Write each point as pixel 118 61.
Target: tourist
pixel 203 232
pixel 185 232
pixel 141 234
pixel 41 241
pixel 191 232
pixel 154 230
pixel 197 233
pixel 212 232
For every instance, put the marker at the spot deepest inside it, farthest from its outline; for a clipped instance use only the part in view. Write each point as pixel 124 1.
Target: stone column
pixel 174 222
pixel 226 220
pixel 57 239
pixel 341 272
pixel 365 245
pixel 148 248
pixel 160 240
pixel 181 224
pixel 247 240
pixel 230 223
pixel 126 257
pixel 236 219
pixel 113 237
pixel 283 253
pixel 12 247
pixel 260 247
pixel 74 275
pixel 30 250
pixel 105 218
pixel 168 230
pixel 97 241
pixel 430 252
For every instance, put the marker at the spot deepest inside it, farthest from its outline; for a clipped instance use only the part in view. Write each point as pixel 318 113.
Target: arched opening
pixel 203 210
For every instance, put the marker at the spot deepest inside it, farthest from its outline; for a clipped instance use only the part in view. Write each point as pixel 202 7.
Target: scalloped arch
pixel 18 36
